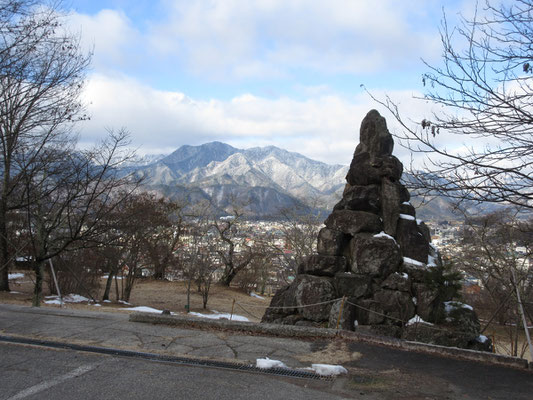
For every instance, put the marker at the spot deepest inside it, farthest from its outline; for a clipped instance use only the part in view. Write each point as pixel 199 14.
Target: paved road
pixel 28 372
pixel 374 371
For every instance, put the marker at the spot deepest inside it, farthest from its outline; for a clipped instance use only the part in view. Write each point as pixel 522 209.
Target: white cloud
pixel 235 39
pixel 324 127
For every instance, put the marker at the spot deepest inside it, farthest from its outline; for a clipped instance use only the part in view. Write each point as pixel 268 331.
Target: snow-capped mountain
pixel 270 177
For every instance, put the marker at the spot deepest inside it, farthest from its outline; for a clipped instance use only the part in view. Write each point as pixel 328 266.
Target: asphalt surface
pixel 375 372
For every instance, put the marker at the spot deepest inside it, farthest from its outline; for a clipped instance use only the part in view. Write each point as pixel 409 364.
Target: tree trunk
pixel 108 286
pixel 38 288
pixel 228 277
pixel 117 293
pixel 4 253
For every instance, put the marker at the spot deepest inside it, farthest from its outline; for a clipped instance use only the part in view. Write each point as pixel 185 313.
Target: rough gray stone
pixel 370 312
pixel 390 209
pixel 331 242
pixel 368 170
pixel 374 136
pixel 312 290
pixel 397 305
pixel 374 256
pixel 321 265
pixel 347 316
pixel 397 281
pixel 352 222
pixel 360 198
pixel 425 301
pixel 412 241
pixel 407 209
pixel 286 298
pixel 352 285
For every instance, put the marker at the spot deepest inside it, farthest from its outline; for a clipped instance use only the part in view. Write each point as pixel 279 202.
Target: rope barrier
pixel 291 307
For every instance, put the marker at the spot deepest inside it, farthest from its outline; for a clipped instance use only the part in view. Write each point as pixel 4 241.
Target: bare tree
pixel 42 72
pixel 484 93
pixel 68 198
pixel 495 251
pixel 233 250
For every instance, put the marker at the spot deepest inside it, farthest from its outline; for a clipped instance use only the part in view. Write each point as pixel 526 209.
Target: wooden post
pixel 521 309
pixel 55 282
pixel 232 309
pixel 340 312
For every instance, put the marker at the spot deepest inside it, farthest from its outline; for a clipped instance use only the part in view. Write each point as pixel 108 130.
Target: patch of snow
pixel 14 292
pixel 403 275
pixel 256 296
pixel 107 301
pixel 218 315
pixel 408 260
pixel 71 298
pixel 124 302
pixel 415 300
pixel 419 221
pixel 143 309
pixel 431 261
pixel 406 203
pixel 482 338
pixel 384 235
pixel 408 217
pixel 115 277
pixel 355 323
pixel 328 370
pixel 15 276
pixel 267 363
pixel 417 320
pixel 97 305
pixel 449 306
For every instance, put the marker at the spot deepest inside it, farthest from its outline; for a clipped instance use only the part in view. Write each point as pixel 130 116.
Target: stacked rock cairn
pixel 374 256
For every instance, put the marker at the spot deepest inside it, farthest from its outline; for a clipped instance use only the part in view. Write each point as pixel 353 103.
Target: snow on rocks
pixel 407 217
pixel 482 339
pixel 384 235
pixel 449 306
pixel 408 260
pixel 417 320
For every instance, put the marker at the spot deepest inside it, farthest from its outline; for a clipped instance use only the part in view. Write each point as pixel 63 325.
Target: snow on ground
pixel 449 306
pixel 417 320
pixel 328 370
pixel 71 298
pixel 143 309
pixel 256 296
pixel 218 315
pixel 267 363
pixel 115 277
pixel 124 302
pixel 13 292
pixel 408 260
pixel 107 301
pixel 15 276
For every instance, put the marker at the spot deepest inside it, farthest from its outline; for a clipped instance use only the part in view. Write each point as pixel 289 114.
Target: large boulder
pixel 411 239
pixel 397 281
pixel 360 198
pixel 352 222
pixel 313 290
pixel 331 242
pixel 345 317
pixel 425 298
pixel 367 170
pixel 281 305
pixel 321 265
pixel 352 285
pixel 374 256
pixel 397 305
pixel 374 137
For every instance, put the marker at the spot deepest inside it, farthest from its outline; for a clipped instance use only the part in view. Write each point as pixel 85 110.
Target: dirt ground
pixel 161 295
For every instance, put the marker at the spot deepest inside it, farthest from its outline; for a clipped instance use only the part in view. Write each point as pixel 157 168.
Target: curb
pixel 311 332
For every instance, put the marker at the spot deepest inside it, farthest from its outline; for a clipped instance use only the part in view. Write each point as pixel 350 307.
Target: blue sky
pixel 251 73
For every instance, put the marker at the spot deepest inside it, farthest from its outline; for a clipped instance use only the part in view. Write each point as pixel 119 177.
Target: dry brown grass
pixel 157 294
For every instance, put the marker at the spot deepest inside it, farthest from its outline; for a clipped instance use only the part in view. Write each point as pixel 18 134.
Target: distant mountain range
pixel 265 179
